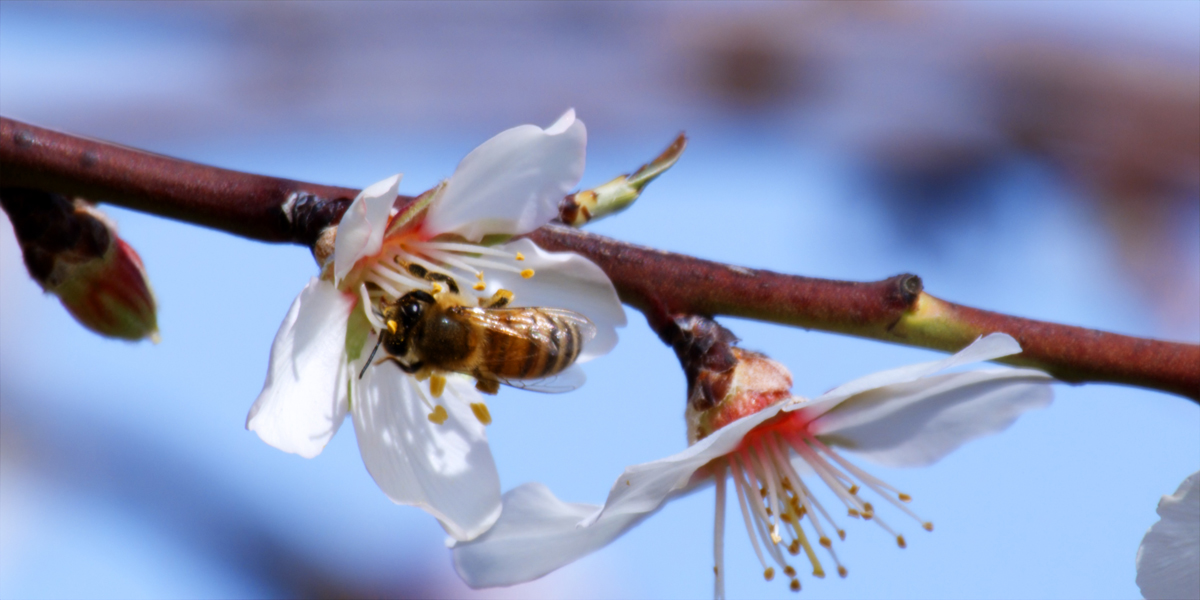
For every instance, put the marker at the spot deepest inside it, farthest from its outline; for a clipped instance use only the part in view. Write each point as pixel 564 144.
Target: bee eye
pixel 412 312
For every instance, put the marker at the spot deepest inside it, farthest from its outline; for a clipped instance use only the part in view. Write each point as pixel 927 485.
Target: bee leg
pixel 410 369
pixel 488 386
pixel 499 300
pixel 442 277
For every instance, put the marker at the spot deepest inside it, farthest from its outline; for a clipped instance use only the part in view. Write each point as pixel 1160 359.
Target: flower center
pixel 776 501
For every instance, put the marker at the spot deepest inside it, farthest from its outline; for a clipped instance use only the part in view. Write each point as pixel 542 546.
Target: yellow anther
pixel 842 571
pixel 627 482
pixel 824 541
pixel 520 256
pixel 437 288
pixel 852 512
pixel 479 275
pixel 928 525
pixel 789 571
pixel 437 385
pixel 775 537
pixel 392 325
pixel 794 547
pixel 769 574
pixel 762 492
pixel 786 518
pixel 527 273
pixel 479 287
pixel 794 585
pixel 842 534
pixel 439 415
pixel 905 498
pixel 818 572
pixel 715 570
pixel 481 412
pixel 769 513
pixel 854 489
pixel 900 541
pixel 801 511
pixel 867 516
pixel 868 508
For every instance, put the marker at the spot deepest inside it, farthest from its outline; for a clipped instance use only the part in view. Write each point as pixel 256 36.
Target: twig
pixel 660 284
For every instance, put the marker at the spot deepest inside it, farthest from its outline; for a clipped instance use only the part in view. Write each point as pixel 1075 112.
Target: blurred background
pixel 1041 159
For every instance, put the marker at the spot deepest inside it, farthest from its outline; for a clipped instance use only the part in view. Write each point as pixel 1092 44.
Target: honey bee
pixel 528 348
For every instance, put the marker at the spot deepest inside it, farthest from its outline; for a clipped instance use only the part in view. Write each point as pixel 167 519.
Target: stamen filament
pixel 383 284
pixel 369 308
pixel 740 486
pixel 463 248
pixel 822 468
pixel 762 518
pixel 719 536
pixel 397 276
pixel 870 481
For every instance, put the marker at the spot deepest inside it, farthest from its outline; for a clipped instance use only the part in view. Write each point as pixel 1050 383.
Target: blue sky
pixel 127 470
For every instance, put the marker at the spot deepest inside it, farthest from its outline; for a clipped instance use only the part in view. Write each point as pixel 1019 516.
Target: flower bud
pixel 580 208
pixel 72 250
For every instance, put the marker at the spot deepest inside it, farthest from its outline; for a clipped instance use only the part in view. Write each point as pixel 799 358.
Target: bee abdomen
pixel 551 345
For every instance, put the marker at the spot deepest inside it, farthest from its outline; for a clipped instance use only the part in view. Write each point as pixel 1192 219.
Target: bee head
pixel 411 306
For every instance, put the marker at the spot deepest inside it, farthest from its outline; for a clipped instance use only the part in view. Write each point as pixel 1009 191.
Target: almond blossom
pixel 1168 561
pixel 423 441
pixel 775 448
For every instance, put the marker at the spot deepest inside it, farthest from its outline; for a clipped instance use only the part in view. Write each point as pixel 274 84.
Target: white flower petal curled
pixel 1168 561
pixel 512 183
pixel 303 401
pixel 989 347
pixel 917 423
pixel 536 534
pixel 564 280
pixel 360 232
pixel 447 469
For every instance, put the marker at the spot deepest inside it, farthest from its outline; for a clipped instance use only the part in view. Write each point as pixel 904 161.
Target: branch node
pixel 705 351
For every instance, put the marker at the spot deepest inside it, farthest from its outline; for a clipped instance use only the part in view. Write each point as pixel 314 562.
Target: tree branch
pixel 660 284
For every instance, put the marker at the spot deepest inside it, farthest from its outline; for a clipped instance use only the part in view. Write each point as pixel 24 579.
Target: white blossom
pixel 426 446
pixel 911 416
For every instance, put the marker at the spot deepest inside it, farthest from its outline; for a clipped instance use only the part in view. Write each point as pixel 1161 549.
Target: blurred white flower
pixel 1168 561
pixel 774 445
pixel 428 447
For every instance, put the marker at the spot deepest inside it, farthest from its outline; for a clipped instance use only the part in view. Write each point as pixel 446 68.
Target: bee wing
pixel 565 381
pixel 523 323
pixel 587 329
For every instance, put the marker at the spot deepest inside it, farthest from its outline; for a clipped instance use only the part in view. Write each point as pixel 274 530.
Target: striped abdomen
pixel 527 343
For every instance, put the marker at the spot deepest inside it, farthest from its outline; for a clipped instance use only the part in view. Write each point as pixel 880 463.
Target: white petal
pixel 360 232
pixel 512 183
pixel 1168 561
pixel 303 401
pixel 446 469
pixel 564 280
pixel 643 488
pixel 536 534
pixel 990 347
pixel 918 422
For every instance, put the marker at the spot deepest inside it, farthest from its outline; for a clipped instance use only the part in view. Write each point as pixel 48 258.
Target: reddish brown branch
pixel 658 283
pixel 231 201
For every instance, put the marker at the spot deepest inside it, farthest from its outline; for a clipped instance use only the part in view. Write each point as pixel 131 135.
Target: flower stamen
pixel 740 486
pixel 481 412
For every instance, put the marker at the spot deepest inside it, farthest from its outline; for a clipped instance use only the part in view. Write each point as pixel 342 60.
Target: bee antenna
pixel 370 358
